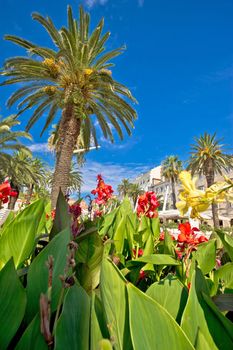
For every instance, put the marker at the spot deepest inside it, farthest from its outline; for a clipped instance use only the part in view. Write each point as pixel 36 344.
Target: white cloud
pixel 39 147
pixel 91 3
pixel 112 173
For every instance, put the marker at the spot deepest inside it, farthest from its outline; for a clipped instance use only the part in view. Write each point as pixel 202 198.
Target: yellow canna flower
pixel 198 200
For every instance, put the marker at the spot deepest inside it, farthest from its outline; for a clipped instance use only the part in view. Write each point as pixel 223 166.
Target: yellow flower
pixel 198 200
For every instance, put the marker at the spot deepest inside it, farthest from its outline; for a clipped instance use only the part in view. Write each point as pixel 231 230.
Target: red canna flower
pixel 6 191
pixel 75 210
pixel 148 205
pixel 140 252
pixel 103 191
pixel 142 275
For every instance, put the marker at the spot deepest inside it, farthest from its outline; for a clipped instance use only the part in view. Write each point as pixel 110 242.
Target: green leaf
pixel 201 313
pixel 155 227
pixel 225 275
pixel 114 298
pixel 12 304
pixel 72 331
pixel 201 343
pixel 98 327
pixel 119 235
pixel 18 238
pixel 227 242
pixel 37 280
pixel 206 256
pixel 62 217
pixel 151 326
pixel 105 344
pixel 156 259
pixel 171 294
pixel 168 244
pixel 89 257
pixel 32 339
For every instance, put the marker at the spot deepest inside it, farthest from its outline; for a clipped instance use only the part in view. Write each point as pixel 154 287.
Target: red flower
pixel 140 252
pixel 98 213
pixel 142 275
pixel 162 236
pixel 75 210
pixel 13 193
pixel 5 190
pixel 103 191
pixel 53 214
pixel 147 205
pixel 202 239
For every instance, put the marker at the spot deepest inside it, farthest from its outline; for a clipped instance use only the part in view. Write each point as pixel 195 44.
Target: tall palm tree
pixel 124 187
pixel 73 77
pixel 135 191
pixel 209 158
pixel 10 140
pixel 171 167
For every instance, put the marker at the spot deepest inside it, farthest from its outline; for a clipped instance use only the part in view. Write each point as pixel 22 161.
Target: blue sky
pixel 178 64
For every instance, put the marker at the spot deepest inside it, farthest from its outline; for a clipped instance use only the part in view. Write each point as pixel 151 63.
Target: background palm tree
pixel 20 172
pixel 73 77
pixel 171 167
pixel 135 191
pixel 209 158
pixel 124 187
pixel 75 180
pixel 10 140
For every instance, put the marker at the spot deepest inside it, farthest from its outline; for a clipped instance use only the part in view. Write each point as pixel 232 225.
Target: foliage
pixel 119 278
pixel 10 141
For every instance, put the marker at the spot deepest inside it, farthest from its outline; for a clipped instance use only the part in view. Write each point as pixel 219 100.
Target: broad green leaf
pixel 156 259
pixel 171 294
pixel 37 280
pixel 155 227
pixel 201 313
pixel 225 275
pixel 62 217
pixel 125 207
pixel 168 244
pixel 206 256
pixel 114 298
pixel 18 238
pixel 201 343
pixel 89 257
pixel 227 242
pixel 8 220
pixel 104 344
pixel 72 331
pixel 98 326
pixel 12 304
pixel 119 235
pixel 32 339
pixel 151 326
pixel 108 222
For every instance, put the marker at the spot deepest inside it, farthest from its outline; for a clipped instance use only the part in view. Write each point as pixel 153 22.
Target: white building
pixel 152 177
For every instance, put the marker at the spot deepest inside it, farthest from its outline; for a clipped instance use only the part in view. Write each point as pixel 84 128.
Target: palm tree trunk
pixel 214 207
pixel 69 130
pixel 173 193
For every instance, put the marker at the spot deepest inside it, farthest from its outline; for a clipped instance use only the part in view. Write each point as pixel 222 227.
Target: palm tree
pixel 209 158
pixel 10 140
pixel 171 167
pixel 124 187
pixel 38 181
pixel 20 173
pixel 134 192
pixel 75 180
pixel 73 77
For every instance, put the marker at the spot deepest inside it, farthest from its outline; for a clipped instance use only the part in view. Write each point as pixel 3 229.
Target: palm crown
pixel 75 71
pixel 171 168
pixel 74 77
pixel 10 140
pixel 207 155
